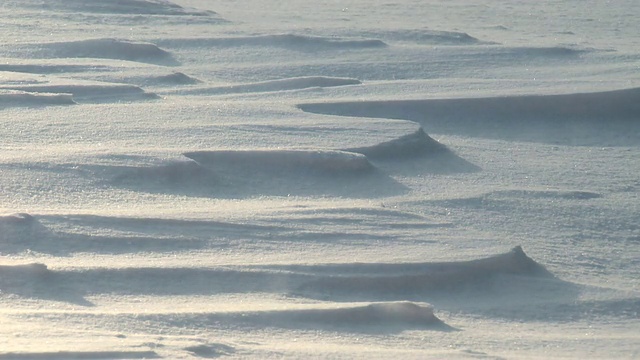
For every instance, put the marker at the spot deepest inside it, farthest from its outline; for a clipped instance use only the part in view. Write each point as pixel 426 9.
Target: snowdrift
pixel 426 37
pixel 122 7
pixel 65 94
pixel 21 98
pixel 327 162
pixel 274 85
pixel 363 281
pixel 542 53
pixel 426 277
pixel 38 67
pixel 408 146
pixel 87 355
pixel 24 232
pixel 210 350
pixel 175 78
pixel 287 41
pixel 514 278
pixel 19 231
pixel 385 317
pixel 386 313
pixel 172 173
pixel 583 118
pixel 249 173
pixel 94 48
pixel 49 88
pixel 619 104
pixel 376 313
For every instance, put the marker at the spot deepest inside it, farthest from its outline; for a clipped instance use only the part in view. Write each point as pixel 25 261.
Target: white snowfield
pixel 406 179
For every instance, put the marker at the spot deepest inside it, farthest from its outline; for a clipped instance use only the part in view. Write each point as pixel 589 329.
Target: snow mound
pixel 20 98
pixel 329 162
pixel 124 7
pixel 96 48
pixel 276 85
pixel 427 277
pixel 287 41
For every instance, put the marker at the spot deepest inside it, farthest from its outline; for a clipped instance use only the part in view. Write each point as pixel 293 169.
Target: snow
pixel 201 178
pixel 94 48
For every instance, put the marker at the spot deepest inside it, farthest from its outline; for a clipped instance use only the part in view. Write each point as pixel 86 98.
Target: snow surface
pixel 194 179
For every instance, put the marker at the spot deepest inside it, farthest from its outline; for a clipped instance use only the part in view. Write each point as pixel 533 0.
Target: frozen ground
pixel 389 179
